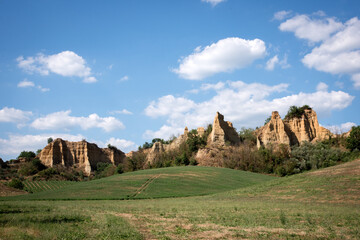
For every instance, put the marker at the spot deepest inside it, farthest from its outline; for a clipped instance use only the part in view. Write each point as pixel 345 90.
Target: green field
pixel 39 186
pixel 154 183
pixel 322 204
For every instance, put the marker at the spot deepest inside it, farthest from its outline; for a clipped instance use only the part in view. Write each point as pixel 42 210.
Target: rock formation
pixel 292 131
pixel 222 132
pixel 273 132
pixel 159 148
pixel 82 155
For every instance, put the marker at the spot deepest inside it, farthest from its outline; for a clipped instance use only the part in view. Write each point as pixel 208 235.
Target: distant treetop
pixel 296 112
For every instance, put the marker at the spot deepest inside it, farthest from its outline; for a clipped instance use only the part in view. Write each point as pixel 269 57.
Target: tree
pixel 296 112
pixel 353 141
pixel 26 154
pixel 247 135
pixel 50 140
pixel 267 120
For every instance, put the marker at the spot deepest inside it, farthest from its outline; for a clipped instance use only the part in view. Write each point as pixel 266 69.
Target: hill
pixel 321 204
pixel 156 183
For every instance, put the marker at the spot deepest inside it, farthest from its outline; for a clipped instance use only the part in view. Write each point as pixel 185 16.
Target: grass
pixel 39 186
pixel 153 183
pixel 321 204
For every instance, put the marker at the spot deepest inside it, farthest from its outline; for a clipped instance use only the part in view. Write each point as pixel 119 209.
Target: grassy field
pixel 39 186
pixel 321 204
pixel 155 183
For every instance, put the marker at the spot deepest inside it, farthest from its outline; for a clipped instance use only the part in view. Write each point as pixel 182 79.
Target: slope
pixel 155 183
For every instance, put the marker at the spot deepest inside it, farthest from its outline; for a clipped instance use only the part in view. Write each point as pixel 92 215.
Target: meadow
pixel 322 204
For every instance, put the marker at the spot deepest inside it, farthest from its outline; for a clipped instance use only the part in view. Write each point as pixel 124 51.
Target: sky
pixel 125 72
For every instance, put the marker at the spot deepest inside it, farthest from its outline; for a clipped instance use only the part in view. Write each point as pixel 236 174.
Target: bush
pixel 296 112
pixel 119 169
pixel 353 141
pixel 16 183
pixel 50 140
pixel 247 134
pixel 27 155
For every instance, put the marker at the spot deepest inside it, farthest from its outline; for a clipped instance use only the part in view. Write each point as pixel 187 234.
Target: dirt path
pixel 145 185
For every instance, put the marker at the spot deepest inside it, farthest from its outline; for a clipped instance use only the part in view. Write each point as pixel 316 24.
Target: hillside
pixel 321 204
pixel 156 183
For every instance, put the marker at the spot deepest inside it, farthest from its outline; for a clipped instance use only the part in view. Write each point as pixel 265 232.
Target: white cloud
pixel 14 115
pixel 339 54
pixel 28 84
pixel 124 78
pixel 66 63
pixel 311 29
pixel 216 86
pixel 270 64
pixel 281 15
pixel 43 89
pixel 25 83
pixel 124 111
pixel 122 144
pixel 169 105
pixel 213 2
pixel 246 105
pixel 322 87
pixel 63 120
pixel 14 144
pixel 342 128
pixel 224 56
pixel 165 132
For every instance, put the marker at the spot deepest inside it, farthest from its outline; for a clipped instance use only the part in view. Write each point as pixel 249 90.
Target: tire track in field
pixel 145 185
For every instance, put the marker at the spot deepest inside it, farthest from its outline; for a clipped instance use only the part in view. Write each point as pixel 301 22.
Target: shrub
pixel 353 141
pixel 16 183
pixel 26 154
pixel 247 134
pixel 119 169
pixel 296 112
pixel 50 140
pixel 193 162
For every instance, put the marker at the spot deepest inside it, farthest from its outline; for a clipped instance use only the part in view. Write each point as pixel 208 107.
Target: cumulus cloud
pixel 340 53
pixel 122 144
pixel 14 144
pixel 339 48
pixel 311 29
pixel 28 84
pixel 13 115
pixel 246 105
pixel 66 63
pixel 213 2
pixel 225 55
pixel 342 128
pixel 63 120
pixel 281 15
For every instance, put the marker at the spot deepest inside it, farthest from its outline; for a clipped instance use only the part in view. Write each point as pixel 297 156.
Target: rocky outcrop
pixel 222 132
pixel 159 148
pixel 292 131
pixel 82 155
pixel 273 132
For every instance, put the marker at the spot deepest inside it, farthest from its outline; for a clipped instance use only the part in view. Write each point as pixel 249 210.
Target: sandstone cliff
pixel 222 132
pixel 82 155
pixel 292 131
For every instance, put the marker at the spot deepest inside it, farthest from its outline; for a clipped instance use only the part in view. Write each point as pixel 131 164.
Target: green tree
pixel 247 135
pixel 50 140
pixel 26 154
pixel 296 112
pixel 16 183
pixel 353 141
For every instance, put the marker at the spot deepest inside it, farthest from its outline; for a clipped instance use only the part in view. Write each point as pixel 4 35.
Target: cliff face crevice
pixel 292 131
pixel 82 155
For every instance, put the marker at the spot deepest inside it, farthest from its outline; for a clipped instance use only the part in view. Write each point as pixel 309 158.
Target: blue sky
pixel 124 72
